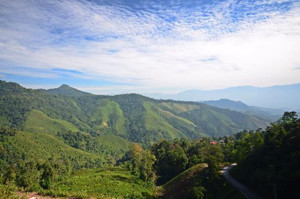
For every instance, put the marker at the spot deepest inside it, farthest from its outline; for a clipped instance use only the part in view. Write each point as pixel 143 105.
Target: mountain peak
pixel 67 90
pixel 64 86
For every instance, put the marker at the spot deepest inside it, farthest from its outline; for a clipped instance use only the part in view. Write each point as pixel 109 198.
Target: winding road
pixel 243 189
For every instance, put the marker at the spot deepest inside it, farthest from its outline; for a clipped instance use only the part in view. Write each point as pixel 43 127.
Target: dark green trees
pixel 171 160
pixel 142 163
pixel 274 167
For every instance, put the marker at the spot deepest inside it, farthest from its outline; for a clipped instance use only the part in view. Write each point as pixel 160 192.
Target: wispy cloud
pixel 178 44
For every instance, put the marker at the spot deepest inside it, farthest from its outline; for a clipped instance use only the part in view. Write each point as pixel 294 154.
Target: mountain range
pixel 279 97
pixel 269 113
pixel 131 116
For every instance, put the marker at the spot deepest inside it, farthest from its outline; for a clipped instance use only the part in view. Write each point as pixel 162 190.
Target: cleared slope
pixel 131 116
pixel 38 122
pixel 114 182
pixel 41 146
pixel 108 116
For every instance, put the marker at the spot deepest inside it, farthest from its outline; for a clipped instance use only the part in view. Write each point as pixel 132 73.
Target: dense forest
pixel 268 162
pixel 133 117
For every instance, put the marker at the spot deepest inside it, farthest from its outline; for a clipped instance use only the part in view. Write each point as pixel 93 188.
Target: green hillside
pixel 108 116
pixel 38 122
pixel 114 142
pixel 131 116
pixel 40 146
pixel 114 182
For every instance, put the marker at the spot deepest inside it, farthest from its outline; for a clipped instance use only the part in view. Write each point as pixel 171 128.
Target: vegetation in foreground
pixel 274 169
pixel 114 182
pixel 194 183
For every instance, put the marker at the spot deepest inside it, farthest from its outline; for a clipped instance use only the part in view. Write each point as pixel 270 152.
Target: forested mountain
pixel 268 113
pixel 131 116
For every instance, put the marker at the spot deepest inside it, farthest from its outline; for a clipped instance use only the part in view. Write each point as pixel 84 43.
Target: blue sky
pixel 120 46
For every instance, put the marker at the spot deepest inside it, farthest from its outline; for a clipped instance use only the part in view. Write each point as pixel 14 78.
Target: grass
pixel 43 146
pixel 8 192
pixel 171 115
pixel 155 122
pixel 178 107
pixel 182 181
pixel 111 116
pixel 114 142
pixel 116 182
pixel 38 122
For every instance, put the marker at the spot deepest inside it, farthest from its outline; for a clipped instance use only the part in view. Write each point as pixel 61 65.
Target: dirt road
pixel 243 189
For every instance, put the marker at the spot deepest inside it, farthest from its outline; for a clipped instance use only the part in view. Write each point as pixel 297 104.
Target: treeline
pixel 273 170
pixel 92 144
pixel 167 159
pixel 267 160
pixel 34 161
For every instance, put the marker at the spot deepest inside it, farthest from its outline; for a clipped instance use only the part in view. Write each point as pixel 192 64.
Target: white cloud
pixel 152 52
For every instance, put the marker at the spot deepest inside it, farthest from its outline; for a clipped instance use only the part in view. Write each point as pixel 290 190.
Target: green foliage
pixel 275 165
pixel 197 192
pixel 114 182
pixel 142 163
pixel 38 122
pixel 241 145
pixel 135 156
pixel 172 159
pixel 134 117
pixel 67 130
pixel 180 185
pixel 5 131
pixel 146 167
pixel 23 155
pixel 8 192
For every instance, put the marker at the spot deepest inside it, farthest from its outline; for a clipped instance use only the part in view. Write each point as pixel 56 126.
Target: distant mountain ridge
pixel 271 114
pixel 279 97
pixel 131 116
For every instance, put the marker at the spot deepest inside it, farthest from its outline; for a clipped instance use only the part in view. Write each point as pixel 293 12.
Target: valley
pixel 67 143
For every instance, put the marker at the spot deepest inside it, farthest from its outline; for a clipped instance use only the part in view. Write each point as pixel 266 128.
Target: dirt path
pixel 33 195
pixel 242 188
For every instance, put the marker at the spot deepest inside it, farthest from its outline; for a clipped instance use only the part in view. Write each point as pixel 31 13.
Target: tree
pixel 289 117
pixel 171 160
pixel 146 168
pixel 197 192
pixel 10 175
pixel 135 155
pixel 47 175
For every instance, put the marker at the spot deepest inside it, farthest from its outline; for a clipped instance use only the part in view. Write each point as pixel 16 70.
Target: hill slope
pixel 40 146
pixel 131 116
pixel 268 113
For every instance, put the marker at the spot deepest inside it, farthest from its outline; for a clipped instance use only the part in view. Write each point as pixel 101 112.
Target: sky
pixel 149 46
